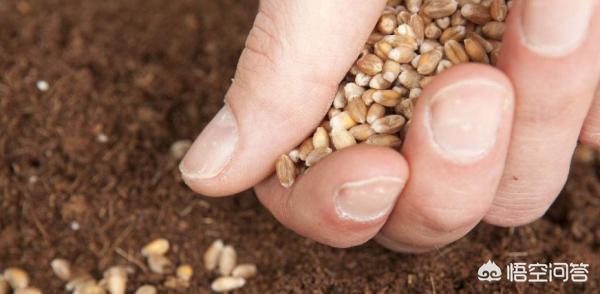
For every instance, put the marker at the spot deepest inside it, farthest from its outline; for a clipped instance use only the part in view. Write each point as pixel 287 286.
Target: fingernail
pixel 212 150
pixel 464 118
pixel 367 200
pixel 555 27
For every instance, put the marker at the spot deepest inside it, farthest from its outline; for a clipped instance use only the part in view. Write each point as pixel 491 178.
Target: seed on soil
pixel 91 288
pixel 42 85
pixel 212 255
pixel 146 289
pixel 116 279
pixel 245 271
pixel 61 268
pixel 159 264
pixel 224 284
pixel 412 42
pixel 16 277
pixel 78 283
pixel 156 247
pixel 185 272
pixel 228 260
pixel 28 290
pixel 179 148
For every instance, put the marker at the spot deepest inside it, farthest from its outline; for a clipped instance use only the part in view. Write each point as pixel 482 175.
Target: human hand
pixel 470 158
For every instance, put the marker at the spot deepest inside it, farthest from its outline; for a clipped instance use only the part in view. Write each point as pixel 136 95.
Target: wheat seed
pixel 245 271
pixel 61 268
pixel 156 247
pixel 159 264
pixel 225 284
pixel 212 255
pixel 116 279
pixel 28 290
pixel 146 289
pixel 228 260
pixel 17 278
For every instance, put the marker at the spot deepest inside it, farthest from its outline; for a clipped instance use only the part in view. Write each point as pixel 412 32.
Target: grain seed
pixel 353 91
pixel 439 8
pixel 413 5
pixel 429 62
pixel 375 112
pixel 146 289
pixel 228 260
pixel 16 277
pixel 285 170
pixel 498 10
pixel 456 33
pixel 455 52
pixel 225 284
pixel 389 124
pixel 116 279
pixel 494 30
pixel 245 271
pixel 159 264
pixel 384 140
pixel 28 290
pixel 342 138
pixel 478 14
pixel 305 148
pixel 61 268
pixel 362 132
pixel 387 98
pixel 357 111
pixel 179 148
pixel 342 120
pixel 475 51
pixel 213 253
pixel 158 246
pixel 317 155
pixel 320 138
pixel 184 272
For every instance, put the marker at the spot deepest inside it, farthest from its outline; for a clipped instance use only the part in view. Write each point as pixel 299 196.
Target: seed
pixel 498 10
pixel 443 65
pixel 116 279
pixel 384 140
pixel 79 282
pixel 374 37
pixel 353 91
pixel 342 120
pixel 382 48
pixel 176 283
pixel 387 23
pixel 443 23
pixel 425 81
pixel 414 93
pixel 487 45
pixel 146 289
pixel 429 62
pixel 475 51
pixel 439 8
pixel 339 101
pixel 357 111
pixel 305 148
pixel 362 132
pixel 159 264
pixel 286 171
pixel 379 83
pixel 413 5
pixel 455 52
pixel 245 271
pixel 213 253
pixel 409 79
pixel 418 27
pixel 494 55
pixel 184 272
pixel 494 30
pixel 316 155
pixel 362 79
pixel 17 278
pixel 61 268
pixel 158 246
pixel 375 112
pixel 28 290
pixel 179 148
pixel 478 14
pixel 405 108
pixel 387 98
pixel 320 137
pixel 342 138
pixel 432 31
pixel 391 70
pixel 389 124
pixel 457 19
pixel 456 33
pixel 224 284
pixel 401 54
pixel 429 45
pixel 228 260
pixel 91 288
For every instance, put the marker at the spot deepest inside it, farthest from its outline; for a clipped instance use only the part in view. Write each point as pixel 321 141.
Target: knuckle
pixel 446 219
pixel 518 209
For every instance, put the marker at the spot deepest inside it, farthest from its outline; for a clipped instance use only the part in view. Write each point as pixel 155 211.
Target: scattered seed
pixel 156 247
pixel 116 279
pixel 61 268
pixel 179 148
pixel 159 264
pixel 227 260
pixel 212 255
pixel 185 272
pixel 285 169
pixel 17 278
pixel 79 282
pixel 146 289
pixel 245 271
pixel 317 155
pixel 42 85
pixel 28 290
pixel 224 284
pixel 92 288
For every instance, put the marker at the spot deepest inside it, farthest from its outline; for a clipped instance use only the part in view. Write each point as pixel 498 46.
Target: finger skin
pixel 447 196
pixel 590 133
pixel 554 94
pixel 296 54
pixel 309 207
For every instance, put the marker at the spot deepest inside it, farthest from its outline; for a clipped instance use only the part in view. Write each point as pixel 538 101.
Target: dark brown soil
pixel 149 72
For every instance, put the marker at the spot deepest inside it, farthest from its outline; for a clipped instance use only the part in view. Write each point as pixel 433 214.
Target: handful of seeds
pixel 414 40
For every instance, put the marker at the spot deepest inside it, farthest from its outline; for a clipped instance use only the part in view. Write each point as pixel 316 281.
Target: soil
pixel 86 173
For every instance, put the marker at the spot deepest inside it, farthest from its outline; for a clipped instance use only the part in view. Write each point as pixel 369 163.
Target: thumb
pixel 295 56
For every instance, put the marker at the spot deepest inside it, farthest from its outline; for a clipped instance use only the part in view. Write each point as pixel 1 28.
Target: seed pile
pixel 223 259
pixel 413 41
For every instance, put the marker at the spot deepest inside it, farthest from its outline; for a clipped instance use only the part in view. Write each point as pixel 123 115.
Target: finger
pixel 590 133
pixel 554 69
pixel 456 148
pixel 344 200
pixel 296 54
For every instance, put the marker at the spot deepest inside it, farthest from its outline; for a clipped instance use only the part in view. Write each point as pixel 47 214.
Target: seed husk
pixel 16 277
pixel 212 255
pixel 225 284
pixel 146 289
pixel 158 246
pixel 245 271
pixel 228 260
pixel 61 268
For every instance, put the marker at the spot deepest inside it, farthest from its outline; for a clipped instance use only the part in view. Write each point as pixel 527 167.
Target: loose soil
pixel 148 73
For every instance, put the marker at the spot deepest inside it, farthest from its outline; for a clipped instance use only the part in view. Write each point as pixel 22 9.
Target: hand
pixel 470 158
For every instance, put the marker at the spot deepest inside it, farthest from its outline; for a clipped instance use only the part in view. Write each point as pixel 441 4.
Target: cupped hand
pixel 484 144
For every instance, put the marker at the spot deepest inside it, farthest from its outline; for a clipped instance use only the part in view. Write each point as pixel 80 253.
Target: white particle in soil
pixel 33 179
pixel 74 226
pixel 42 85
pixel 102 138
